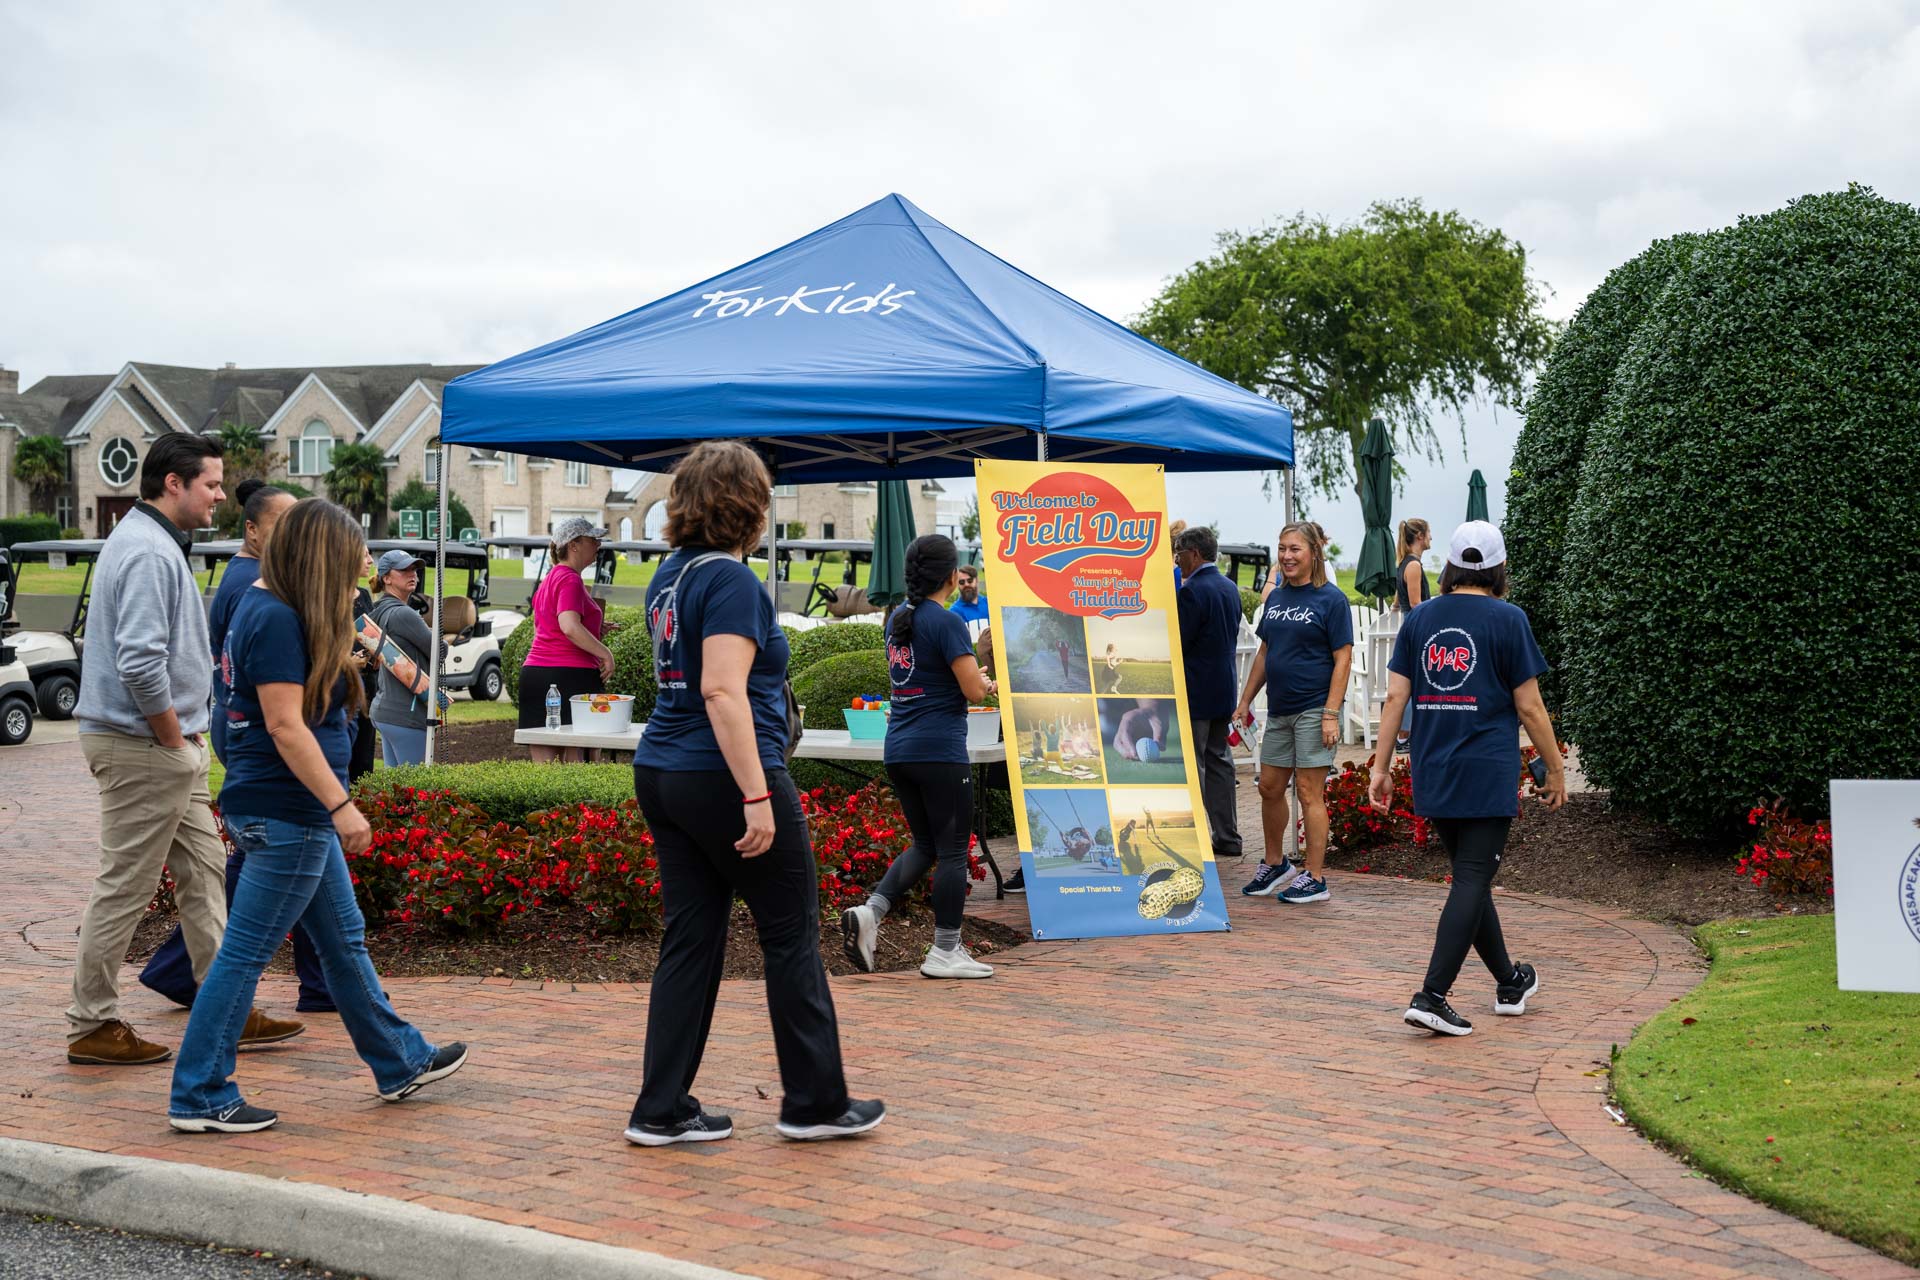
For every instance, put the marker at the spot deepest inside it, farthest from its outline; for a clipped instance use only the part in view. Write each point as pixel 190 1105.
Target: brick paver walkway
pixel 1220 1106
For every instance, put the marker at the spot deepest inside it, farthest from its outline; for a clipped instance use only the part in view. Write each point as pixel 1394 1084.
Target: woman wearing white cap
pixel 1467 663
pixel 567 653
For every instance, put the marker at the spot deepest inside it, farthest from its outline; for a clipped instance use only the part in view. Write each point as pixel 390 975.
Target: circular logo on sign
pixel 1449 658
pixel 1909 892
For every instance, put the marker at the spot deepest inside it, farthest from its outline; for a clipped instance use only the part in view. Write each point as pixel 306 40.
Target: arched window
pixel 311 453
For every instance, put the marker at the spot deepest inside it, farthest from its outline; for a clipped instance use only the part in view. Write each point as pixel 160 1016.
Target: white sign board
pixel 56 559
pixel 1876 884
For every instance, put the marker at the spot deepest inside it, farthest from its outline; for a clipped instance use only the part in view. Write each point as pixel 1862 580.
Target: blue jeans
pixel 401 744
pixel 292 873
pixel 170 970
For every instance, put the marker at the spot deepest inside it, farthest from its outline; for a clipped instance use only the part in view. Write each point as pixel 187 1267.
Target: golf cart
pixel 845 601
pixel 472 631
pixel 16 698
pixel 1237 554
pixel 52 658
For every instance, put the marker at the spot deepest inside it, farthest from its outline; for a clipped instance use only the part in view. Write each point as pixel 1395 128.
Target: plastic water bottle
pixel 553 706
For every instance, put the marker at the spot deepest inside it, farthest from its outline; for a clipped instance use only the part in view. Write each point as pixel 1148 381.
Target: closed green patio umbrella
pixel 892 531
pixel 1374 574
pixel 1476 496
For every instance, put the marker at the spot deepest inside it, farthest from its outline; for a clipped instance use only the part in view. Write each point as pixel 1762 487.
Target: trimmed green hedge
pixel 1569 399
pixel 1249 603
pixel 1739 568
pixel 826 688
pixel 509 790
pixel 27 529
pixel 831 640
pixel 513 656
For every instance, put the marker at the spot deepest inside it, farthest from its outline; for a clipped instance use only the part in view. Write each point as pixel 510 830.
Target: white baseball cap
pixel 1477 545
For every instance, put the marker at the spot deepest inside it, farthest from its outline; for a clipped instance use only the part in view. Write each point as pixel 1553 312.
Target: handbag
pixel 664 607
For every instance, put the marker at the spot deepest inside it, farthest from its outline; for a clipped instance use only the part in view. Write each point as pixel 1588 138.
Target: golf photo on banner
pixel 1131 655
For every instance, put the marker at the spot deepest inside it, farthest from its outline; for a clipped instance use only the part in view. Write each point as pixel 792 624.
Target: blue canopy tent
pixel 884 346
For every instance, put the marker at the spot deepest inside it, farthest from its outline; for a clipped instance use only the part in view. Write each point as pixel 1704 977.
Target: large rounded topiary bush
pixel 826 688
pixel 513 656
pixel 1740 577
pixel 831 639
pixel 1567 401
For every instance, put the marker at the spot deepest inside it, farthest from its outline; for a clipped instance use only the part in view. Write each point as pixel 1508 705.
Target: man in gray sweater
pixel 145 683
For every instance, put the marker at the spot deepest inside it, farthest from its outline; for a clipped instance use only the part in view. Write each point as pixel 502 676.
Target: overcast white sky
pixel 278 184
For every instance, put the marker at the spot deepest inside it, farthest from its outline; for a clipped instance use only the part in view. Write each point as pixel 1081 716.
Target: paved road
pixel 35 1249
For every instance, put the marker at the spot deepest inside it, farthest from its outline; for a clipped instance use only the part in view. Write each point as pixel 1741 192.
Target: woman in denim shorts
pixel 1306 648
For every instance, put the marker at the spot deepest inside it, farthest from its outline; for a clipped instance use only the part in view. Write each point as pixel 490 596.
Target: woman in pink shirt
pixel 567 653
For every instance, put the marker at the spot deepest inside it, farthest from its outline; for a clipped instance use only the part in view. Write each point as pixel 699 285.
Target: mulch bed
pixel 477 742
pixel 1589 851
pixel 561 947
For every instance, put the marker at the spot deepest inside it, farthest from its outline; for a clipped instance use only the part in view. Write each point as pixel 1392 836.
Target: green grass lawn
pixel 1777 1084
pixel 1136 678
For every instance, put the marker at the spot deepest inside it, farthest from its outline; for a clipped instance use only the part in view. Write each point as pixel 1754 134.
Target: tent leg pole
pixel 1042 438
pixel 773 550
pixel 1287 492
pixel 439 590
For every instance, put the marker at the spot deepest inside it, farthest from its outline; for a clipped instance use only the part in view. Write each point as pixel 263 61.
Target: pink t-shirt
pixel 561 591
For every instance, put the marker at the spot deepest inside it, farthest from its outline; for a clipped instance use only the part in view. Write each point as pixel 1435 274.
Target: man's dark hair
pixel 175 454
pixel 1198 538
pixel 969 572
pixel 1493 581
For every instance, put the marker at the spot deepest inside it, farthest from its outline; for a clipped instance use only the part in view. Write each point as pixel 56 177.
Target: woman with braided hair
pixel 934 675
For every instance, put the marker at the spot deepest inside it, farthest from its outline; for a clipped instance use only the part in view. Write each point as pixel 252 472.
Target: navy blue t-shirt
pixel 267 645
pixel 719 598
pixel 242 572
pixel 929 720
pixel 1302 627
pixel 1465 655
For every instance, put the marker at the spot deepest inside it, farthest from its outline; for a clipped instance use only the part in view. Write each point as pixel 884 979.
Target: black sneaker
pixel 1016 883
pixel 705 1127
pixel 1270 879
pixel 238 1118
pixel 1510 1000
pixel 447 1059
pixel 857 1118
pixel 1436 1015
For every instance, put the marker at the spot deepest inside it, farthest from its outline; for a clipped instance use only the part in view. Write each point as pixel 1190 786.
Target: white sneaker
pixel 858 932
pixel 953 964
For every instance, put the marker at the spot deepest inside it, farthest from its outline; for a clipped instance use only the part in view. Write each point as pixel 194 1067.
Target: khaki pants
pixel 155 811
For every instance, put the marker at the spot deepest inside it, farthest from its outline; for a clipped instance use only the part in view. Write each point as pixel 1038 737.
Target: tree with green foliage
pixel 1569 398
pixel 1388 317
pixel 417 495
pixel 970 522
pixel 1739 571
pixel 357 480
pixel 40 463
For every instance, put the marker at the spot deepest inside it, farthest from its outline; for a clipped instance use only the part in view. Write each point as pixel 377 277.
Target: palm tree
pixel 40 463
pixel 242 447
pixel 358 479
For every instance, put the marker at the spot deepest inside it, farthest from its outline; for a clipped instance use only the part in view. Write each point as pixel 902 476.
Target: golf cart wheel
pixel 16 722
pixel 488 686
pixel 57 695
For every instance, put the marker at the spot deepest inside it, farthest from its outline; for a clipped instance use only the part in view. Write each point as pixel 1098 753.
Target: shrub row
pixel 27 529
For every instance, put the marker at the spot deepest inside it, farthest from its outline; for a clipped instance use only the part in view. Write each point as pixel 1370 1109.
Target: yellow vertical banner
pixel 1093 701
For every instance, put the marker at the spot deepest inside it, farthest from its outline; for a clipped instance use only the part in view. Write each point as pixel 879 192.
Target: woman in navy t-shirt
pixel 289 687
pixel 935 677
pixel 1467 663
pixel 711 776
pixel 1306 649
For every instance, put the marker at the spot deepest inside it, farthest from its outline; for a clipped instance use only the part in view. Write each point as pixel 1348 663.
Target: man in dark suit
pixel 1210 620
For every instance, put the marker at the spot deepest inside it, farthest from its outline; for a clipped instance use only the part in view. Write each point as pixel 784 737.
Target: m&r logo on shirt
pixel 900 666
pixel 1449 657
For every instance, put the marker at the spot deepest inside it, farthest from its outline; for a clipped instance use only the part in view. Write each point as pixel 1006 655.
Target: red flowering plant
pixel 1787 855
pixel 599 859
pixel 1352 821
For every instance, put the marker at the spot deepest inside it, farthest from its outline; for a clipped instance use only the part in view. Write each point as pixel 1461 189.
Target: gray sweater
pixel 396 704
pixel 146 636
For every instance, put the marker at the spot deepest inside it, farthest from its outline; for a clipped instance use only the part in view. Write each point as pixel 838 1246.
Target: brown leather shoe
pixel 114 1044
pixel 261 1029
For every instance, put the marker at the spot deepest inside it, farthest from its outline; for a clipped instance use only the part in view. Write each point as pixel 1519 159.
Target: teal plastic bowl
pixel 866 724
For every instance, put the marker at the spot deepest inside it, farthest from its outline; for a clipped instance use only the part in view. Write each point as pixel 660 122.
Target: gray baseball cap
pixel 576 527
pixel 396 559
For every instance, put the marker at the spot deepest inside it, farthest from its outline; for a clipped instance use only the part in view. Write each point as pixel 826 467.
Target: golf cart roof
pixel 218 549
pixel 58 546
pixel 818 546
pixel 460 555
pixel 645 548
pixel 1246 551
pixel 525 541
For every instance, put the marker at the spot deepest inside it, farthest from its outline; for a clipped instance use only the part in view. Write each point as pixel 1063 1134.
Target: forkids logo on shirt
pixel 1292 613
pixel 1449 657
pixel 1078 543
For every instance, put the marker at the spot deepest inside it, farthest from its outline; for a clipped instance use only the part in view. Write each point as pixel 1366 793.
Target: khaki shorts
pixel 1293 742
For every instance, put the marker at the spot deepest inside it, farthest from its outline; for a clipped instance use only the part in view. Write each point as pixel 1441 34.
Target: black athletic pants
pixel 1469 920
pixel 938 800
pixel 695 819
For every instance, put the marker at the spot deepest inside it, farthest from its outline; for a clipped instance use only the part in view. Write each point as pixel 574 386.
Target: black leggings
pixel 1469 920
pixel 938 800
